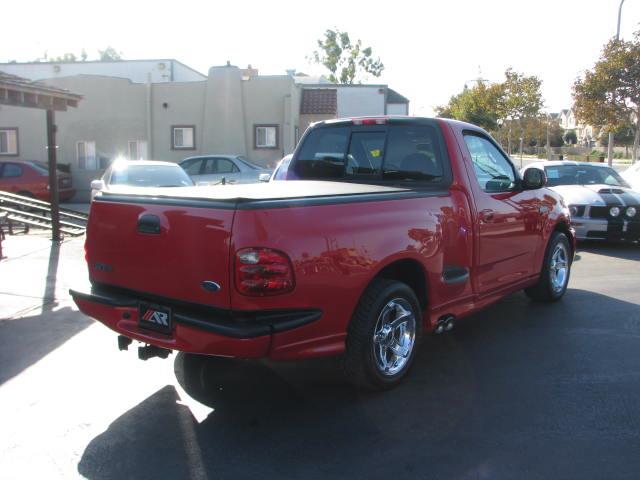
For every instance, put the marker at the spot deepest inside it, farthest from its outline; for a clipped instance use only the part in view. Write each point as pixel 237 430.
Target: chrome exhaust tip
pixel 445 324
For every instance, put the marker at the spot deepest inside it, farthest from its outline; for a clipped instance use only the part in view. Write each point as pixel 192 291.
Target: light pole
pixel 610 143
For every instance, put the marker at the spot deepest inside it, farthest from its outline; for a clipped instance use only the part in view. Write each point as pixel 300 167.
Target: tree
pixel 506 104
pixel 346 61
pixel 109 54
pixel 520 98
pixel 477 105
pixel 67 57
pixel 608 95
pixel 570 137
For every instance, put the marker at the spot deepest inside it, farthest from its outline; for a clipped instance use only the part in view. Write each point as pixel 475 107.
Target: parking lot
pixel 520 390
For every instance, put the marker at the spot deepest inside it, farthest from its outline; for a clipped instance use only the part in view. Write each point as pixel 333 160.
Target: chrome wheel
pixel 394 336
pixel 559 268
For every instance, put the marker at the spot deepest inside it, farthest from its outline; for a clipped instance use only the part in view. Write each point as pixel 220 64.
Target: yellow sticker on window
pixel 375 153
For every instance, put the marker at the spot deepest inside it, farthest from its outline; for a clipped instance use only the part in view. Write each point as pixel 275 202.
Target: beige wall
pixel 184 106
pixel 224 110
pixel 111 114
pixel 32 133
pixel 268 101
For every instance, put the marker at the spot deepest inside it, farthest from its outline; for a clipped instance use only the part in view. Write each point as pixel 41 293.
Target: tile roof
pixel 319 101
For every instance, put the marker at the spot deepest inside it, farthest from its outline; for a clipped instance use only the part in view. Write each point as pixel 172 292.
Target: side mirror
pixel 534 178
pixel 264 177
pixel 97 184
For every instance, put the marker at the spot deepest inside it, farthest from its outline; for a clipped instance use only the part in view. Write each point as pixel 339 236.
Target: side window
pixel 209 166
pixel 493 171
pixel 413 153
pixel 192 167
pixel 226 166
pixel 11 170
pixel 365 153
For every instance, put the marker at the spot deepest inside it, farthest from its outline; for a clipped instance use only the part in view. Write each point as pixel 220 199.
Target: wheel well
pixel 564 228
pixel 410 272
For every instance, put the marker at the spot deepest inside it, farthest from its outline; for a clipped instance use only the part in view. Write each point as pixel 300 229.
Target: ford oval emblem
pixel 211 286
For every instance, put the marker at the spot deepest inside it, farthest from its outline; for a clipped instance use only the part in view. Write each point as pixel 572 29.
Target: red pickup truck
pixel 384 229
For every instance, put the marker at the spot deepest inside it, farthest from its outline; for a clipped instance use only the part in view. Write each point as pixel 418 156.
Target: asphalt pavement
pixel 519 391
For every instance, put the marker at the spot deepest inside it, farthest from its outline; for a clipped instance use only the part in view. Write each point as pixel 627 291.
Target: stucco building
pixel 162 109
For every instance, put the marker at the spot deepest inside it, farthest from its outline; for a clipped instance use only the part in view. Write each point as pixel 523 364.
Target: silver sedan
pixel 214 169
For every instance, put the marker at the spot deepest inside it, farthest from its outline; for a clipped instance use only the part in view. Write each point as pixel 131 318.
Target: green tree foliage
pixel 508 104
pixel 477 105
pixel 622 135
pixel 109 54
pixel 346 61
pixel 67 57
pixel 570 137
pixel 608 95
pixel 520 96
pixel 533 131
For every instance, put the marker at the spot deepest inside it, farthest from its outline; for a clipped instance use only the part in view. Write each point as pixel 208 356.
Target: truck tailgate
pixel 162 250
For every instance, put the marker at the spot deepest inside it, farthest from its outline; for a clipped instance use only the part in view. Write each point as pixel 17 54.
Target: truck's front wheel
pixel 383 335
pixel 554 276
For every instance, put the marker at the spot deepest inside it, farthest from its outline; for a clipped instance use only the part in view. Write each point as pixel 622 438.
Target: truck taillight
pixel 262 271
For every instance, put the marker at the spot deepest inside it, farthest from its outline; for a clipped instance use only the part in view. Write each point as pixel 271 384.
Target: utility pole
pixel 548 140
pixel 53 176
pixel 610 143
pixel 521 141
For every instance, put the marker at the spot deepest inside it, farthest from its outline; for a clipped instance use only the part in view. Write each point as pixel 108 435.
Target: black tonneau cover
pixel 262 195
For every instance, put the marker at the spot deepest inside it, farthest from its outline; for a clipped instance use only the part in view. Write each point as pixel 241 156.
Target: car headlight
pixel 614 211
pixel 631 212
pixel 576 210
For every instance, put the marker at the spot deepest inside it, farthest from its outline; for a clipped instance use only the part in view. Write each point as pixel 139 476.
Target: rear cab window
pixel 404 152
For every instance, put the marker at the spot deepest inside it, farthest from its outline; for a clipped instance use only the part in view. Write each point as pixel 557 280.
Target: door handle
pixel 486 215
pixel 149 224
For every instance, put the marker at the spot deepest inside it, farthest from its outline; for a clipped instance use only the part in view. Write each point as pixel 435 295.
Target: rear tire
pixel 556 269
pixel 383 336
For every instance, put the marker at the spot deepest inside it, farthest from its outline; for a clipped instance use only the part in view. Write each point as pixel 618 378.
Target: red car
pixel 385 228
pixel 31 179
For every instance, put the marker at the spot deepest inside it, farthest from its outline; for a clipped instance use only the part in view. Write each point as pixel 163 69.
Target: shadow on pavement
pixel 626 251
pixel 25 340
pixel 519 390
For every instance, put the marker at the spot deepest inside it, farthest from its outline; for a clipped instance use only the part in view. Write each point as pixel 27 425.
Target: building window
pixel 265 136
pixel 86 155
pixel 9 141
pixel 183 137
pixel 137 150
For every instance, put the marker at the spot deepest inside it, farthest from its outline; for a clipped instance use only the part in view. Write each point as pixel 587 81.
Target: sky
pixel 429 49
